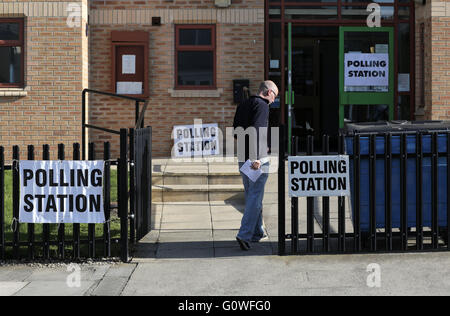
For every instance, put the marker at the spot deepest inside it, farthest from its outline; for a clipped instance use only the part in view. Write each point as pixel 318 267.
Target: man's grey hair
pixel 267 85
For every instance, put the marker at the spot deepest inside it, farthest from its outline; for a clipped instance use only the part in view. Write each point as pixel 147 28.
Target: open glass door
pixel 366 74
pixel 303 84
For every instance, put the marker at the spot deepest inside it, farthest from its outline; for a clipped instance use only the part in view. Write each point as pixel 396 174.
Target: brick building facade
pixel 44 108
pixel 239 54
pixel 61 58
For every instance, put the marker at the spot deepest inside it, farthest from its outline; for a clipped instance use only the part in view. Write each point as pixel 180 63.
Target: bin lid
pixel 396 127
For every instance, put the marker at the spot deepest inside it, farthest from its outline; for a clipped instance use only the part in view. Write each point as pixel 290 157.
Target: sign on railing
pixel 61 192
pixel 319 176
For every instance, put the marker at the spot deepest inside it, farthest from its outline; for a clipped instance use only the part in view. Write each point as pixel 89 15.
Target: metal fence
pixel 400 189
pixel 142 173
pixel 91 244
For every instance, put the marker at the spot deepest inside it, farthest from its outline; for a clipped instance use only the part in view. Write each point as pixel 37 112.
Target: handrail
pixel 138 118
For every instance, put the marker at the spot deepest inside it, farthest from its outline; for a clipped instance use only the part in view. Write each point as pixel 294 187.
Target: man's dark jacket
pixel 253 112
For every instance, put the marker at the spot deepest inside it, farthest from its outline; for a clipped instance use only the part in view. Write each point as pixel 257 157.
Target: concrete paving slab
pixel 15 273
pixel 178 245
pixel 173 226
pixel 187 217
pixel 294 275
pixel 257 249
pixel 236 204
pixel 270 198
pixel 231 224
pixel 114 280
pixel 152 236
pixel 201 203
pixel 190 208
pixel 235 272
pixel 110 287
pixel 10 288
pixel 225 234
pixel 228 243
pixel 89 273
pixel 184 253
pixel 145 250
pixel 120 271
pixel 185 236
pixel 226 216
pixel 54 288
pixel 227 209
pixel 270 210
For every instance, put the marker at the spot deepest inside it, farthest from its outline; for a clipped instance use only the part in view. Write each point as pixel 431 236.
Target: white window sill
pixel 195 93
pixel 13 92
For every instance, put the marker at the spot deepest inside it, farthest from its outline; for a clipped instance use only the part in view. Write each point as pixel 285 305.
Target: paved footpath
pixel 400 274
pixel 191 250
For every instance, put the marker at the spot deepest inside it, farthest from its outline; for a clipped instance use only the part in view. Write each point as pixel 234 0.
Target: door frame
pixel 372 98
pixel 309 102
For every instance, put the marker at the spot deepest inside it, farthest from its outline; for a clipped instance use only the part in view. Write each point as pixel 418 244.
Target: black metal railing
pixel 139 117
pixel 55 237
pixel 136 196
pixel 400 191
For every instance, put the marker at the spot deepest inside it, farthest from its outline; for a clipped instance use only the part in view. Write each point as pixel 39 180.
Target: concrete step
pixel 196 179
pixel 197 192
pixel 201 181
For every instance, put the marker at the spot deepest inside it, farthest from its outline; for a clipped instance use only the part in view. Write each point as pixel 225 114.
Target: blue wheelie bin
pixel 412 130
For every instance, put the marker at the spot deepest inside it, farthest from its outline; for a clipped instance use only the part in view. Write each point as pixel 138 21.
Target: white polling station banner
pixel 319 176
pixel 366 69
pixel 61 192
pixel 196 140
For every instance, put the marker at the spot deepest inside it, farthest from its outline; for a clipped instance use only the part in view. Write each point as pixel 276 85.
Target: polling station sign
pixel 196 140
pixel 61 192
pixel 319 176
pixel 366 69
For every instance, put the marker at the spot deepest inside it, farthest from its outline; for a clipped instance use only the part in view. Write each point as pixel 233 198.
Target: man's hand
pixel 256 164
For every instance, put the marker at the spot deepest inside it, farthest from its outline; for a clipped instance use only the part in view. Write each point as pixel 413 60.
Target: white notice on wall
pixel 274 64
pixel 319 176
pixel 382 48
pixel 403 82
pixel 61 192
pixel 128 64
pixel 128 87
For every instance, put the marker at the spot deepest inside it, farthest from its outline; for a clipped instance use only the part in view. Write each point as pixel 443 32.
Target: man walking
pixel 252 116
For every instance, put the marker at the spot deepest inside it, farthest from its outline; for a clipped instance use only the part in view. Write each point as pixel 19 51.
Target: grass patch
pixel 68 228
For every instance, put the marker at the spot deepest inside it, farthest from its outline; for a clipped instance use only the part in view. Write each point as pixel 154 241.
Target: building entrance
pixel 315 80
pixel 335 69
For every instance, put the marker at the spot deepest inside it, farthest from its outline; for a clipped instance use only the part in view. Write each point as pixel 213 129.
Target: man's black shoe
pixel 243 244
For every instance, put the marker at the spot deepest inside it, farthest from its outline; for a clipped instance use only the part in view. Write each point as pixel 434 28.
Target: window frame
pixel 19 43
pixel 195 48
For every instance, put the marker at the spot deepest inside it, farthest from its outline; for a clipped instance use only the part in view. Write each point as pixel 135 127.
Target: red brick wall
pixel 50 111
pixel 423 55
pixel 440 70
pixel 240 54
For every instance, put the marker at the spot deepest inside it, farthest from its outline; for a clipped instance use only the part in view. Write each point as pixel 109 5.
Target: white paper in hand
pixel 250 172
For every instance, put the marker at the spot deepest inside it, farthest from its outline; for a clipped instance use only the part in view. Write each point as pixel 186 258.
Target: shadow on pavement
pixel 201 249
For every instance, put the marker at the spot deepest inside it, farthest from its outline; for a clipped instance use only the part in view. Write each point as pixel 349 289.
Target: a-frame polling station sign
pixel 319 176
